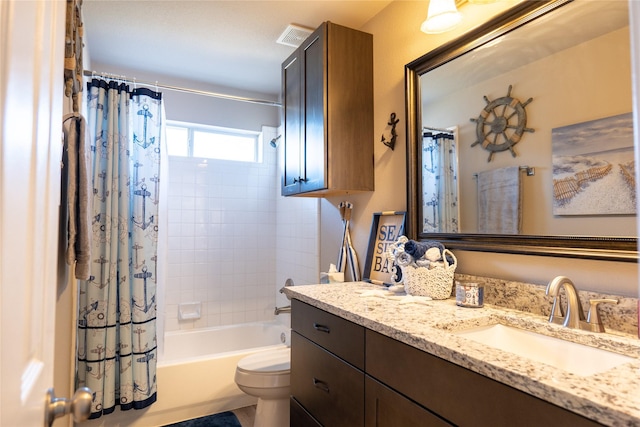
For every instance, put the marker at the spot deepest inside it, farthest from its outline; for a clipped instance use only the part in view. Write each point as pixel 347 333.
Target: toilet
pixel 266 375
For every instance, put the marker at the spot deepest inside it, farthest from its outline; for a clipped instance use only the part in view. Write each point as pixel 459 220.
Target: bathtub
pixel 196 373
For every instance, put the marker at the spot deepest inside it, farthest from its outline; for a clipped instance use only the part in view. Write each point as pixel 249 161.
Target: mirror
pixel 540 54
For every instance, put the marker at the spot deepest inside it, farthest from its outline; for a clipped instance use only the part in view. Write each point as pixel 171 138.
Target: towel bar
pixel 531 171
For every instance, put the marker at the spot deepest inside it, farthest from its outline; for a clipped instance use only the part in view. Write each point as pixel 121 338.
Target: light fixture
pixel 442 16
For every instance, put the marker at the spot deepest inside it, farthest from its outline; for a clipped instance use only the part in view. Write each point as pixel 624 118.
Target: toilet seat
pixel 266 369
pixel 267 362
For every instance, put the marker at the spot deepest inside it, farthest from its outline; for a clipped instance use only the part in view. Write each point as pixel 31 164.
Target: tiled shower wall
pixel 222 232
pixel 297 242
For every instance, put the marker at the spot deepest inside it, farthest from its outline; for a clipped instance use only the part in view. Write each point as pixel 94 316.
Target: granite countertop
pixel 611 397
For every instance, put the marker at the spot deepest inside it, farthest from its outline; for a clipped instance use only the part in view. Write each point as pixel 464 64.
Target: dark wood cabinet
pixel 343 338
pixel 343 374
pixel 330 389
pixel 327 93
pixel 386 408
pixel 325 385
pixel 458 395
pixel 299 416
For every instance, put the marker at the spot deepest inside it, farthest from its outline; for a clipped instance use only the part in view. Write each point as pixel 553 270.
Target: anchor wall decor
pixel 393 121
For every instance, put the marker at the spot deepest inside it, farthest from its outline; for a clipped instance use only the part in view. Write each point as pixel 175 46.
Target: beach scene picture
pixel 594 167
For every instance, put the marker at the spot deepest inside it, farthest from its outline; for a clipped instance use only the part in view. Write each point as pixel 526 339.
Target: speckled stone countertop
pixel 611 397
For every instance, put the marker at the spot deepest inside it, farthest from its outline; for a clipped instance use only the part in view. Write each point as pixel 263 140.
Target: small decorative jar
pixel 469 294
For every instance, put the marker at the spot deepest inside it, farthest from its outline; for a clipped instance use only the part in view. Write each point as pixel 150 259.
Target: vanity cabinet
pixel 458 395
pixel 327 95
pixel 343 374
pixel 327 362
pixel 385 407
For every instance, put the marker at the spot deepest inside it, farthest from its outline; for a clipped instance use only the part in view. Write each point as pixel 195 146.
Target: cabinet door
pixel 460 395
pixel 314 155
pixel 299 417
pixel 340 336
pixel 292 119
pixel 331 390
pixel 384 407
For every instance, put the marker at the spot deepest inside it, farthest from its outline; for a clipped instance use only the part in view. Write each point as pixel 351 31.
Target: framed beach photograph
pixel 594 167
pixel 386 228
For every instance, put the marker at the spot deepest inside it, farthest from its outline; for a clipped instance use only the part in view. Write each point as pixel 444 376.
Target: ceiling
pixel 550 34
pixel 225 43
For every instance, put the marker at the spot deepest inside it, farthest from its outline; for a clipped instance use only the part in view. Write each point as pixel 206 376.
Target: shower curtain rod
pixel 428 128
pixel 182 89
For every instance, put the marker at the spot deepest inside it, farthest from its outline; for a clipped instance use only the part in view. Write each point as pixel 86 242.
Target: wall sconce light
pixel 442 16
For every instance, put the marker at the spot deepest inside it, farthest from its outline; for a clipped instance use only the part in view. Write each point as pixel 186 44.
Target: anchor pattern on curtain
pixel 117 344
pixel 439 182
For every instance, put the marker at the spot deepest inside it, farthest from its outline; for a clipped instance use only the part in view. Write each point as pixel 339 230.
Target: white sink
pixel 565 355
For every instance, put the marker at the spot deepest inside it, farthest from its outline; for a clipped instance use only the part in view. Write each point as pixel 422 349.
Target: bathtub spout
pixel 285 309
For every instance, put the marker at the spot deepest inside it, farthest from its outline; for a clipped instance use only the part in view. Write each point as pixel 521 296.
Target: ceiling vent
pixel 294 35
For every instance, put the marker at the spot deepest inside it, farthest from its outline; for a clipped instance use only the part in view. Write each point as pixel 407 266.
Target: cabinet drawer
pixel 386 408
pixel 341 337
pixel 457 394
pixel 299 417
pixel 328 388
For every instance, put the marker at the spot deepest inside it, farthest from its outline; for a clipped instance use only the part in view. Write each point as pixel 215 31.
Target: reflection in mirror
pixel 506 88
pixel 439 180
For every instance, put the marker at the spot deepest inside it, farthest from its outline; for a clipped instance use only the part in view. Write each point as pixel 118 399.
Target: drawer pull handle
pixel 321 328
pixel 321 385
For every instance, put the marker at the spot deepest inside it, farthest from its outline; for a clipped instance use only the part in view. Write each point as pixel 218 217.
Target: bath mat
pixel 223 419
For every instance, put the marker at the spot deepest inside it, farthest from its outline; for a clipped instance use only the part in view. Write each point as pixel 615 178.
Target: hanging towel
pixel 500 201
pixel 77 190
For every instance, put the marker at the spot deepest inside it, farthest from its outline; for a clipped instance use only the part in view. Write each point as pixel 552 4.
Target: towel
pixel 78 190
pixel 500 201
pixel 418 249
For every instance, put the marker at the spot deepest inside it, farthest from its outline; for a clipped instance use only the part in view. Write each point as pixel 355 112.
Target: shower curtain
pixel 439 182
pixel 116 335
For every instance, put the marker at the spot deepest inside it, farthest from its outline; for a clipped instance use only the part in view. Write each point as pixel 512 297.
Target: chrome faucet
pixel 574 313
pixel 287 308
pixel 574 317
pixel 287 283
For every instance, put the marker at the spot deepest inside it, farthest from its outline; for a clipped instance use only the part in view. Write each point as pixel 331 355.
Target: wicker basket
pixel 436 283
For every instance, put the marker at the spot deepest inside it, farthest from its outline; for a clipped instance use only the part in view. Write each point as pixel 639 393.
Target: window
pixel 210 142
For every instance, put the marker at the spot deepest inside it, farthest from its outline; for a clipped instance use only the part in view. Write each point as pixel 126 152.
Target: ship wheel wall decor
pixel 501 124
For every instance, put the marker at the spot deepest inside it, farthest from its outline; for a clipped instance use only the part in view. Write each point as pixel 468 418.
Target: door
pixel 303 89
pixel 314 81
pixel 292 120
pixel 31 83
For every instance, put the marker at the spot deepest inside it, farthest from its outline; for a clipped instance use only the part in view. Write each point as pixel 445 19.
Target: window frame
pixel 218 130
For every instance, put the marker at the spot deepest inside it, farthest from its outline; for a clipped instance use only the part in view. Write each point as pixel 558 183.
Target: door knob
pixel 79 406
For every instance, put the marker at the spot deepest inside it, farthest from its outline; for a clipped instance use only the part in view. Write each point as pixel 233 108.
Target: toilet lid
pixel 267 361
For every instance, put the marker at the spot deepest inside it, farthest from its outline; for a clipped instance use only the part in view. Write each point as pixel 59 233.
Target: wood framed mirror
pixel 529 30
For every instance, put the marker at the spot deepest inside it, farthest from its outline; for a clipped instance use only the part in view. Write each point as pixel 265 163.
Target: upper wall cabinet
pixel 327 86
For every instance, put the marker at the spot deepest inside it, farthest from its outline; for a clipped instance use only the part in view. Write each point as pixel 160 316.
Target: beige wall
pixel 555 104
pixel 397 41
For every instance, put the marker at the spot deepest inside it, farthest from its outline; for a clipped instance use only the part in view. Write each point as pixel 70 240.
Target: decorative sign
pixel 386 228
